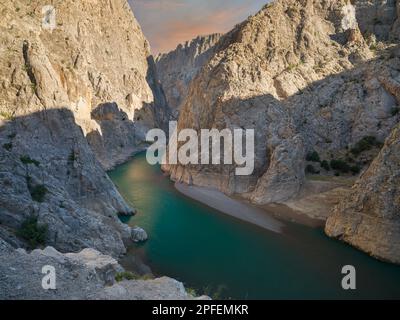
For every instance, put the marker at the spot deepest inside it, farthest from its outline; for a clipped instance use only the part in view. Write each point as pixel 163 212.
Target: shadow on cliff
pixel 329 114
pixel 51 144
pixel 47 169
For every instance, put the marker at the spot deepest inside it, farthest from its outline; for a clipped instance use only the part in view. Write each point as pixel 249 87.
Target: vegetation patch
pixel 8 146
pixel 33 233
pixel 38 192
pixel 355 169
pixel 365 144
pixel 340 166
pixel 395 111
pixel 6 115
pixel 27 160
pixel 126 275
pixel 72 156
pixel 313 157
pixel 311 170
pixel 325 165
pixel 192 292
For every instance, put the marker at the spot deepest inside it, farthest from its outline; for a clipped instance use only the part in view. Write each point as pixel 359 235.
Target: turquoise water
pixel 221 256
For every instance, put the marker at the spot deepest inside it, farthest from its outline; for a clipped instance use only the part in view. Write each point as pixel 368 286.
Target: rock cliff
pixel 369 216
pixel 84 275
pixel 78 91
pixel 311 77
pixel 177 68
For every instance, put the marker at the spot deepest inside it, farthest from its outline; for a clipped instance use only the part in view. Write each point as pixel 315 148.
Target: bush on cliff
pixel 33 233
pixel 340 165
pixel 365 144
pixel 313 157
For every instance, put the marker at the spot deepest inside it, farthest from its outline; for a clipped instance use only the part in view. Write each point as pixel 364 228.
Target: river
pixel 227 258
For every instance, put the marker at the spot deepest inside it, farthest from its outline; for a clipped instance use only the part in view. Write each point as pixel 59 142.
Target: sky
pixel 166 23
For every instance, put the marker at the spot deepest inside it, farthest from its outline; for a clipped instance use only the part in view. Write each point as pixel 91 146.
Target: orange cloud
pixel 179 31
pixel 166 23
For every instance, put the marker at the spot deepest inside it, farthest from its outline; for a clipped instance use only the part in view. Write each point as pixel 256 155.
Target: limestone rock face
pixel 95 55
pixel 138 234
pixel 309 75
pixel 377 17
pixel 77 97
pixel 369 217
pixel 301 73
pixel 84 275
pixel 284 177
pixel 158 289
pixel 177 68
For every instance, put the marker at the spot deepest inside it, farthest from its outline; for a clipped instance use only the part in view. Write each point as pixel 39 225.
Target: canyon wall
pixel 178 68
pixel 369 216
pixel 77 97
pixel 306 76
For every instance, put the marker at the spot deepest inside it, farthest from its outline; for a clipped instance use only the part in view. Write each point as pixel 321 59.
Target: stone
pixel 138 234
pixel 84 275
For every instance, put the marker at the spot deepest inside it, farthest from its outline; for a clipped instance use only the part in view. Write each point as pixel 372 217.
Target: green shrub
pixel 28 160
pixel 37 192
pixel 365 144
pixel 126 275
pixel 340 165
pixel 72 156
pixel 313 156
pixel 310 169
pixel 8 146
pixel 192 292
pixel 325 165
pixel 355 169
pixel 6 115
pixel 395 111
pixel 32 232
pixel 147 277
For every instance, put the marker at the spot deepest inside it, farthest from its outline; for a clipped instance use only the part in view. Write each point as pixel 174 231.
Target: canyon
pixel 318 82
pixel 76 100
pixel 311 78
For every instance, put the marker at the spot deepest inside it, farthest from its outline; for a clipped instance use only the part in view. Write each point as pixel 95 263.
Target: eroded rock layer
pixel 177 68
pixel 308 76
pixel 78 92
pixel 369 216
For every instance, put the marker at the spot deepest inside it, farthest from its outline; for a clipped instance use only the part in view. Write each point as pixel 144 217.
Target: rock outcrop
pixel 138 234
pixel 179 67
pixel 84 275
pixel 78 91
pixel 307 76
pixel 376 17
pixel 369 216
pixel 265 76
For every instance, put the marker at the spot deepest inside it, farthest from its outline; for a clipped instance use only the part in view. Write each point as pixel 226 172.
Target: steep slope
pixel 272 56
pixel 307 76
pixel 177 68
pixel 75 99
pixel 369 216
pixel 86 64
pixel 84 275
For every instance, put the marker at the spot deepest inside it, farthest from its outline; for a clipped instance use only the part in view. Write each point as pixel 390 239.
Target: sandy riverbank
pixel 233 207
pixel 311 210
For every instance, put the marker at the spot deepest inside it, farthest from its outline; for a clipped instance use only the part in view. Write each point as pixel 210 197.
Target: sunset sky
pixel 166 23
